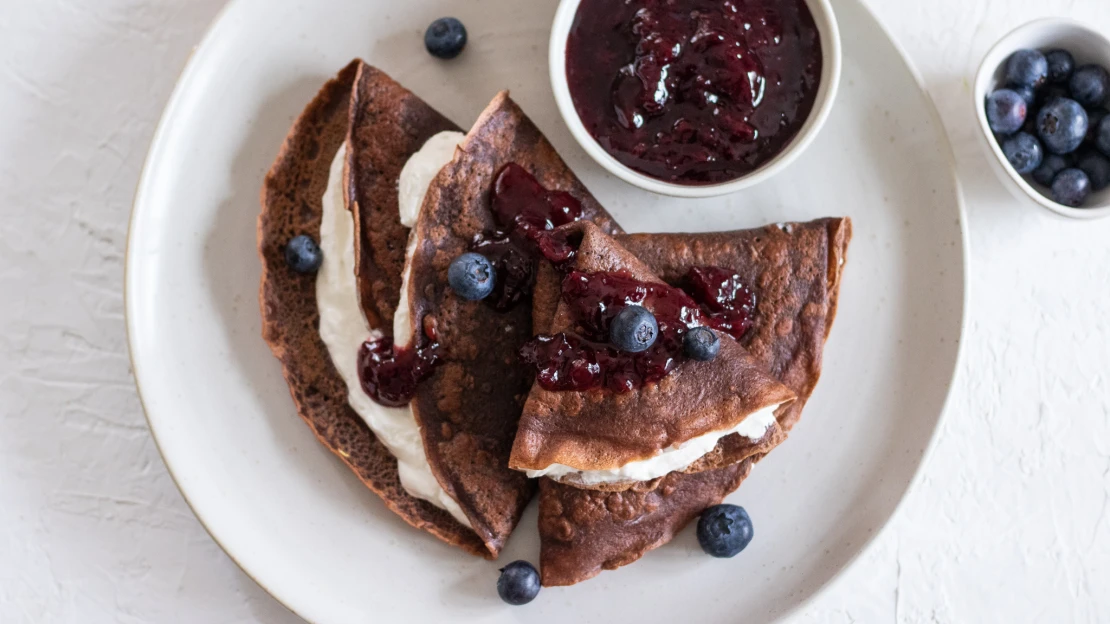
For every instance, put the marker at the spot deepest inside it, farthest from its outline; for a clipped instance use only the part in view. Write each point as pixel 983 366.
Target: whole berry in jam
pixel 471 276
pixel 634 329
pixel 701 344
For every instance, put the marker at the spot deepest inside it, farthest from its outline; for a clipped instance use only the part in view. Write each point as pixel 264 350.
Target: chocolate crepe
pixel 469 407
pixel 599 429
pixel 291 205
pixel 796 268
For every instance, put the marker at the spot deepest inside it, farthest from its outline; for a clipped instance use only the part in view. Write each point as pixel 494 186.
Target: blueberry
pixel 701 344
pixel 634 329
pixel 1071 188
pixel 1060 65
pixel 303 255
pixel 1090 85
pixel 445 38
pixel 1053 92
pixel 1102 134
pixel 1097 168
pixel 1027 67
pixel 1023 151
pixel 471 276
pixel 1094 121
pixel 519 583
pixel 1050 166
pixel 1029 94
pixel 1062 126
pixel 724 530
pixel 1006 110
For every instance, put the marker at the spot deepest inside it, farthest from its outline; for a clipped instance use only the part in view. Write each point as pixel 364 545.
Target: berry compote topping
pixel 693 91
pixel 390 375
pixel 527 215
pixel 584 359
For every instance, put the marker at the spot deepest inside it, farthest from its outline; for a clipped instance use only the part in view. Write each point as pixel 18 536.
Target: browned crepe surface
pixel 387 121
pixel 291 205
pixel 602 430
pixel 796 266
pixel 469 407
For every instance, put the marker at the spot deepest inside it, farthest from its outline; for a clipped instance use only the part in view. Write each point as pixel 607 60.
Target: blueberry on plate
pixel 1102 135
pixel 1006 111
pixel 471 276
pixel 1062 126
pixel 701 344
pixel 724 530
pixel 445 38
pixel 1071 188
pixel 1050 166
pixel 1027 93
pixel 1027 67
pixel 1060 65
pixel 519 583
pixel 303 255
pixel 634 329
pixel 1023 151
pixel 1090 85
pixel 1097 168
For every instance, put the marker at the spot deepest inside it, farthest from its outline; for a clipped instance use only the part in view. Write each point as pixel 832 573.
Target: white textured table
pixel 1009 524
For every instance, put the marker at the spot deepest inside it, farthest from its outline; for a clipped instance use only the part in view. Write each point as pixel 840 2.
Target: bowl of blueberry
pixel 1043 95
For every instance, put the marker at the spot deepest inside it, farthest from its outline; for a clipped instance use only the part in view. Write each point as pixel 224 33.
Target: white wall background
pixel 1010 523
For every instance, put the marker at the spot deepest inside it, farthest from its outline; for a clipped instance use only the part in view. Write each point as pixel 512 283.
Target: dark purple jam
pixel 527 215
pixel 584 359
pixel 693 91
pixel 390 375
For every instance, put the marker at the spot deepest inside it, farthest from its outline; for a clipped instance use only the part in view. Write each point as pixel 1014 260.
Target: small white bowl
pixel 1087 46
pixel 826 93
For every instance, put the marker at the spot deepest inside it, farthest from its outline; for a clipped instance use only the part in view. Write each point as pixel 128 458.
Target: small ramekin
pixel 831 57
pixel 1087 46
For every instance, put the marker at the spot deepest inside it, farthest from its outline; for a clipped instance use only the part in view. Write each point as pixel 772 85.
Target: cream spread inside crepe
pixel 343 328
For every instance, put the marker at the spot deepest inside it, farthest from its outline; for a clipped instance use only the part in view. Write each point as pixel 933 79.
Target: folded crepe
pixel 796 268
pixel 469 407
pixel 383 125
pixel 607 440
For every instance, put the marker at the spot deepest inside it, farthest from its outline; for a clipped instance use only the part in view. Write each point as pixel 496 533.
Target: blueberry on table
pixel 1027 67
pixel 1102 135
pixel 1006 111
pixel 724 530
pixel 1090 86
pixel 634 329
pixel 519 583
pixel 1061 64
pixel 1050 166
pixel 701 344
pixel 1097 168
pixel 1071 188
pixel 1062 126
pixel 471 276
pixel 303 255
pixel 1027 93
pixel 1023 151
pixel 445 38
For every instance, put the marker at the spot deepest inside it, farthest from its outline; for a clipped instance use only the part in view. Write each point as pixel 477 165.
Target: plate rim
pixel 191 65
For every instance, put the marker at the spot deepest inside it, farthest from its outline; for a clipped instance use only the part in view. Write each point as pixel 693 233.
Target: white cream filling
pixel 420 170
pixel 677 457
pixel 343 328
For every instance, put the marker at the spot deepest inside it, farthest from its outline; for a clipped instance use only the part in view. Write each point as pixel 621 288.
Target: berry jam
pixel 584 359
pixel 390 375
pixel 527 215
pixel 693 91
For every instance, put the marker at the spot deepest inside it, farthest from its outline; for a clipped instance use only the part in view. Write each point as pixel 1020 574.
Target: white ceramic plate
pixel 307 531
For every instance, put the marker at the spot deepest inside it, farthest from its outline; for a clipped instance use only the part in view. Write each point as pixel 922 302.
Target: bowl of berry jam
pixel 694 98
pixel 1042 99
